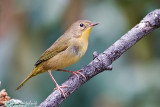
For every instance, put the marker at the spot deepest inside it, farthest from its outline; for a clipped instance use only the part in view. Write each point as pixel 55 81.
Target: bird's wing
pixel 57 47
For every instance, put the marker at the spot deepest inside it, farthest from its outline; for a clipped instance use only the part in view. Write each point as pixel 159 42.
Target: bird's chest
pixel 68 57
pixel 79 48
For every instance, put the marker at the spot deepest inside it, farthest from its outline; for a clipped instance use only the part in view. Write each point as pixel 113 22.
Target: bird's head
pixel 82 28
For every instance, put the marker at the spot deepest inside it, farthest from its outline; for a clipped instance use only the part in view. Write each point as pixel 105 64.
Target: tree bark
pixel 103 61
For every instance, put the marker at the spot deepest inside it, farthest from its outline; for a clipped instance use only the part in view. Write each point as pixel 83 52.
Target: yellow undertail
pixel 34 72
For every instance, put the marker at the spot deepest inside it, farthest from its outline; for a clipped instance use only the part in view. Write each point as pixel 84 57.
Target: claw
pixel 57 86
pixel 78 72
pixel 73 73
pixel 60 89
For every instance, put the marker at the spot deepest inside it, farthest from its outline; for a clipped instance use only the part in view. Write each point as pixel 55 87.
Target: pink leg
pixel 73 72
pixel 57 86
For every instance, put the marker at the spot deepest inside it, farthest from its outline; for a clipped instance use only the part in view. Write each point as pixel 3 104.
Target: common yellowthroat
pixel 66 50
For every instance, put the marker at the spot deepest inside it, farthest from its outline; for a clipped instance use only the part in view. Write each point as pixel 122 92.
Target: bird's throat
pixel 85 34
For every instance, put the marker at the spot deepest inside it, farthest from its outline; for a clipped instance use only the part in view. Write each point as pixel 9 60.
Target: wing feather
pixel 53 50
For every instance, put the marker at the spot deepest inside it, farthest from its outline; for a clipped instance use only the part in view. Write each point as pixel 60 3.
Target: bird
pixel 65 51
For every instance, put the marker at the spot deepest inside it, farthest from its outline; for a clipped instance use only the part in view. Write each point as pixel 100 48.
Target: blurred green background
pixel 29 27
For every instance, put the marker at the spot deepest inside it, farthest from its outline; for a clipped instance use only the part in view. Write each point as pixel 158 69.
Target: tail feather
pixel 34 72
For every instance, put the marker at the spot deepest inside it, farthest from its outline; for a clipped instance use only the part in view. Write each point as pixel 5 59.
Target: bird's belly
pixel 62 60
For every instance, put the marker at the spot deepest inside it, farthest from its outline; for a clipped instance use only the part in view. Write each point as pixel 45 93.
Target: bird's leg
pixel 73 72
pixel 57 86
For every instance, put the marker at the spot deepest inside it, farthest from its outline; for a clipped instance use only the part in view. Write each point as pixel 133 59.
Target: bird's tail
pixel 34 72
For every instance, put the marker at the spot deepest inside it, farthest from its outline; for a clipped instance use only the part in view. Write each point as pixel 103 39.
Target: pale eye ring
pixel 81 25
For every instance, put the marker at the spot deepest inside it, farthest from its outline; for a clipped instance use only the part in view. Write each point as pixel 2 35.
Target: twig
pixel 103 61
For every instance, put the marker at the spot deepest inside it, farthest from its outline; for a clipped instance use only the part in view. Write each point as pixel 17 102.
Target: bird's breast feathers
pixel 71 55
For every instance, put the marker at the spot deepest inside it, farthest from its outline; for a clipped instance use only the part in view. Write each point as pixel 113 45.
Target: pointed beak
pixel 94 24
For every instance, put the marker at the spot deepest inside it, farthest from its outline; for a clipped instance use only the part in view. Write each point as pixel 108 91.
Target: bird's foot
pixel 60 89
pixel 73 73
pixel 76 73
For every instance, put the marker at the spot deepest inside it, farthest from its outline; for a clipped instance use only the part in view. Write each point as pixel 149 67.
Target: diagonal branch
pixel 103 61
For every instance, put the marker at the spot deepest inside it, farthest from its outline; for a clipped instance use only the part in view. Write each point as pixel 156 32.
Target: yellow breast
pixel 84 40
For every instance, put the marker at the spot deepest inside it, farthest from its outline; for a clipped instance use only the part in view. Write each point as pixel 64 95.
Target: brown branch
pixel 103 61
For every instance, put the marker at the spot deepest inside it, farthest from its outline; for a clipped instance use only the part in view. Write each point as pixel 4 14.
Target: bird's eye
pixel 81 25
